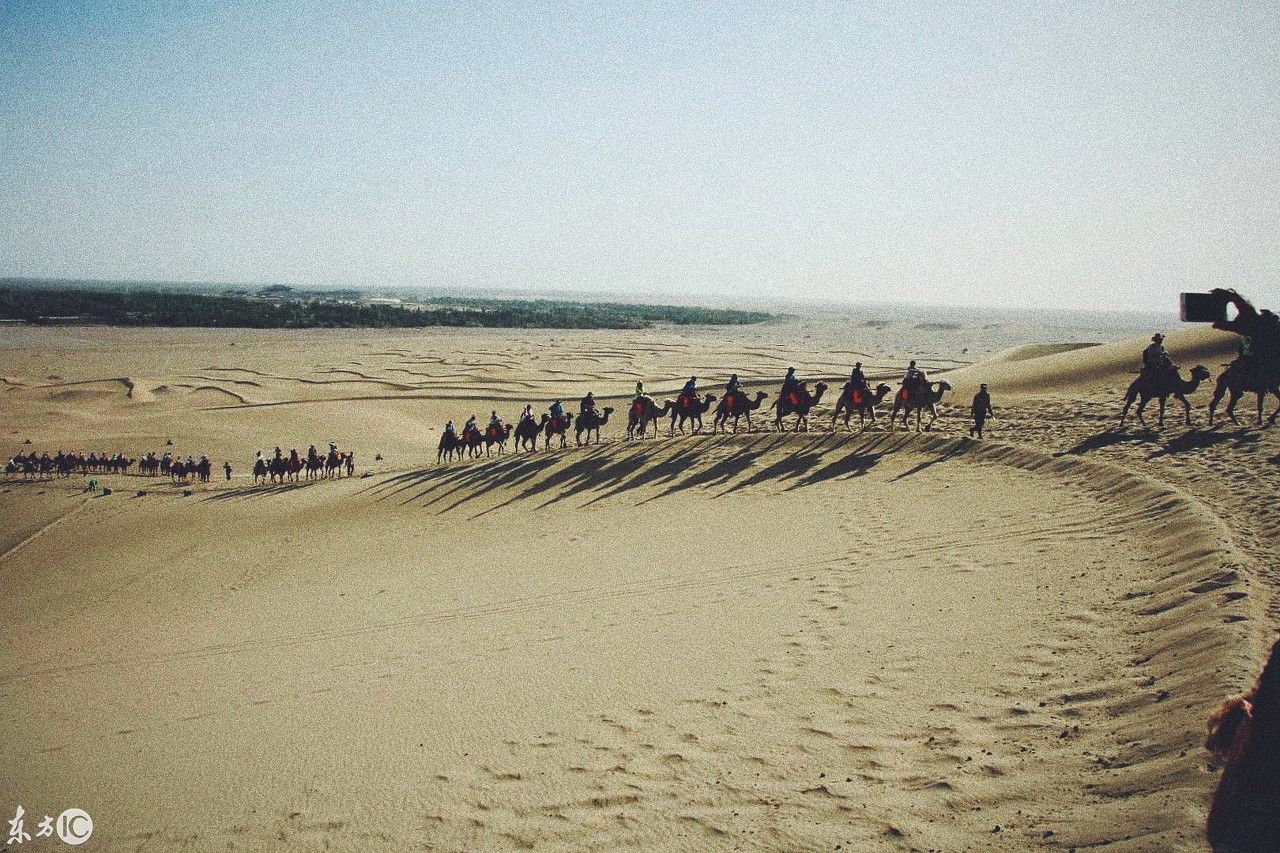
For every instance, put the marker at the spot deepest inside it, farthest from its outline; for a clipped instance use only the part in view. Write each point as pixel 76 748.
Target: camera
pixel 1204 307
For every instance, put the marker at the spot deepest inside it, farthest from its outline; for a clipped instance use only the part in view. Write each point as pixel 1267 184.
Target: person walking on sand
pixel 226 467
pixel 981 408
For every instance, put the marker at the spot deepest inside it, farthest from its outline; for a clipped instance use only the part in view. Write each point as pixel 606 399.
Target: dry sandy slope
pixel 761 642
pixel 757 642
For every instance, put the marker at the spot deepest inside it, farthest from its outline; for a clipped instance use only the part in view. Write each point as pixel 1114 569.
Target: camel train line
pixel 314 466
pixel 43 466
pixel 916 395
pixel 1159 379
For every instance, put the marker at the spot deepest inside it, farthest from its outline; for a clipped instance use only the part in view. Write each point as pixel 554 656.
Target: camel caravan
pixel 279 468
pixel 44 466
pixel 1256 370
pixel 685 413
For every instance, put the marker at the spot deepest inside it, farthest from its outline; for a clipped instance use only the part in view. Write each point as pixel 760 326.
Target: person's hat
pixel 791 370
pixel 983 385
pixel 1157 337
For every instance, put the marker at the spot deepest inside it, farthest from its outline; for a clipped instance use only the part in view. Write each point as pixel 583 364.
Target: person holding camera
pixel 1259 331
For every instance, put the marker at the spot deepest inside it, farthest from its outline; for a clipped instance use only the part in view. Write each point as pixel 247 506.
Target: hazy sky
pixel 1065 154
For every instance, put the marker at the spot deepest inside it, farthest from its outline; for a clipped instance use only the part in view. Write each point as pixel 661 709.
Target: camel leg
pixel 1262 396
pixel 1160 418
pixel 1124 413
pixel 1232 399
pixel 1186 407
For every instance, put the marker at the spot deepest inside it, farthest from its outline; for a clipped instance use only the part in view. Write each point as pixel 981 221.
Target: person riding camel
pixel 1155 361
pixel 733 386
pixel 689 392
pixel 450 429
pixel 495 422
pixel 1259 331
pixel 859 389
pixel 640 390
pixel 792 387
pixel 527 414
pixel 911 380
pixel 857 378
pixel 587 404
pixel 557 411
pixel 469 427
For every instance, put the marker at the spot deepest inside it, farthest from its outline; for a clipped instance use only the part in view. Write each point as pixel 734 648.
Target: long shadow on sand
pixel 1108 438
pixel 1198 440
pixel 258 491
pixel 722 466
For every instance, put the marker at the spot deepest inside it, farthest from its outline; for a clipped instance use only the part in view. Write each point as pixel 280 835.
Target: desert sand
pixel 817 641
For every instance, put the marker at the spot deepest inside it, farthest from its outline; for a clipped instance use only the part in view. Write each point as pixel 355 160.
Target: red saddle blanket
pixel 856 397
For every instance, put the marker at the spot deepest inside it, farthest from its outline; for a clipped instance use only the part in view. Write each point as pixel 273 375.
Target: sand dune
pixel 768 642
pixel 1091 367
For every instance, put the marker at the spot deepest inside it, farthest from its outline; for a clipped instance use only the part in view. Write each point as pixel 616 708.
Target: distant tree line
pixel 160 308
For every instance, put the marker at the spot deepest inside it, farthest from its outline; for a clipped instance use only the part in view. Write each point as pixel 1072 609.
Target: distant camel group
pixel 314 466
pixel 46 466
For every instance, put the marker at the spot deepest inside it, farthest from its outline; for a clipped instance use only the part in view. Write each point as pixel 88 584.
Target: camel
pixel 589 422
pixel 527 432
pixel 644 411
pixel 558 426
pixel 692 410
pixel 861 401
pixel 496 434
pixel 1147 386
pixel 1241 376
pixel 799 402
pixel 917 399
pixel 449 444
pixel 735 404
pixel 472 439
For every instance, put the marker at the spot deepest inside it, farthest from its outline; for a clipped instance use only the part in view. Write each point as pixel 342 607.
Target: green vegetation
pixel 281 308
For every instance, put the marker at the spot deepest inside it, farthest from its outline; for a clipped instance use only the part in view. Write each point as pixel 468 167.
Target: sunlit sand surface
pixel 767 642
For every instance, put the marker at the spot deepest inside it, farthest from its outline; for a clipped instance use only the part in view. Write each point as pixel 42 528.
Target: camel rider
pixel 450 429
pixel 1155 361
pixel 733 385
pixel 911 380
pixel 527 414
pixel 557 411
pixel 791 382
pixel 690 389
pixel 587 404
pixel 639 390
pixel 469 426
pixel 857 378
pixel 494 421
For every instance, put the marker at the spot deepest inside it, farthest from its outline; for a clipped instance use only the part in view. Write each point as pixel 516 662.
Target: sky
pixel 1071 154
